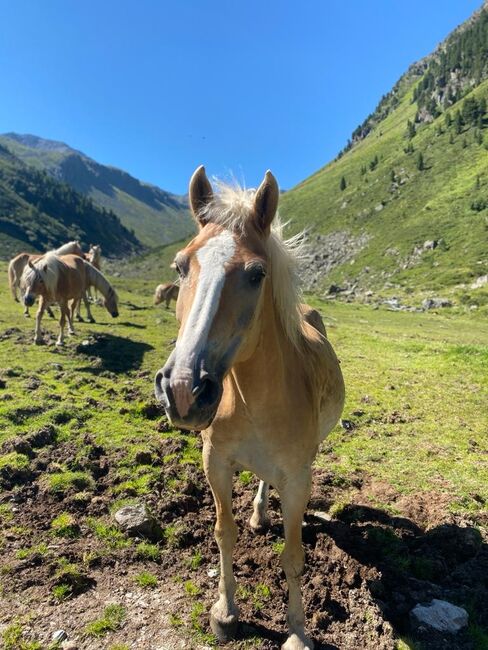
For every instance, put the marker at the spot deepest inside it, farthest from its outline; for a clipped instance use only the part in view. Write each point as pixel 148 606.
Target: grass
pixel 111 620
pixel 147 551
pixel 418 380
pixel 62 482
pixel 146 579
pixel 64 525
pixel 434 204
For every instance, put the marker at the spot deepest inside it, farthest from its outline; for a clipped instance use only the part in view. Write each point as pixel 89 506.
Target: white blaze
pixel 212 259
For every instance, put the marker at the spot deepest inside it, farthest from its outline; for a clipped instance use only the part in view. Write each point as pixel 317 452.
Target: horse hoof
pixel 80 319
pixel 259 525
pixel 92 320
pixel 224 630
pixel 296 642
pixel 26 315
pixel 59 344
pixel 38 341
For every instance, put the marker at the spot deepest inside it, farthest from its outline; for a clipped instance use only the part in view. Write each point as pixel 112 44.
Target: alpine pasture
pixel 398 507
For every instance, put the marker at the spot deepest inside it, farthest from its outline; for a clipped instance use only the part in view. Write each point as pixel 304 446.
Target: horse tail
pixel 13 280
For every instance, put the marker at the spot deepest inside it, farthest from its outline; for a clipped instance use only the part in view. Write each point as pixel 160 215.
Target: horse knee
pixel 226 533
pixel 293 561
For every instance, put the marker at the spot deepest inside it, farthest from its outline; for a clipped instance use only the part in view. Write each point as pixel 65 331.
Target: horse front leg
pixel 88 308
pixel 62 322
pixel 40 312
pixel 224 614
pixel 260 519
pixel 294 498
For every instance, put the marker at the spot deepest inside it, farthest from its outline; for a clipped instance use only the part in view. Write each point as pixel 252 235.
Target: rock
pixel 480 282
pixel 430 244
pixel 439 615
pixel 136 520
pixel 348 425
pixel 334 289
pixel 379 207
pixel 59 636
pixel 213 573
pixel 435 303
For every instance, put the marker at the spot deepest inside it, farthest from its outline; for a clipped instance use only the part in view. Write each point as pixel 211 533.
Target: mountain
pixel 40 213
pixel 404 207
pixel 157 217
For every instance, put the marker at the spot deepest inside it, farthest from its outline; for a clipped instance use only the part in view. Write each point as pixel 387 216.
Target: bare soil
pixel 366 568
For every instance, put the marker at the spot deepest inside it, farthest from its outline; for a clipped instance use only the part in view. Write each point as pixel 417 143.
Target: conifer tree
pixel 343 184
pixel 420 162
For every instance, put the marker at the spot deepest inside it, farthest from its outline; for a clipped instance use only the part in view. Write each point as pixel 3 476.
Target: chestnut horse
pixel 62 279
pixel 166 293
pixel 253 370
pixel 19 262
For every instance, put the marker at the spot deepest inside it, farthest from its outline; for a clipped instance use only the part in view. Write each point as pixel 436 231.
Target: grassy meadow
pixel 414 431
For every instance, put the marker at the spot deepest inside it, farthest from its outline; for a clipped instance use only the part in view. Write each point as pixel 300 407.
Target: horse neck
pixel 97 280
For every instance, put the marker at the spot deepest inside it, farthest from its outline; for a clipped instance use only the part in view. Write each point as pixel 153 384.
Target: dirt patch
pixel 365 567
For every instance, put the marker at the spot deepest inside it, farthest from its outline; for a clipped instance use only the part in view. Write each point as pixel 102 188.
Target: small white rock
pixel 213 573
pixel 440 615
pixel 59 636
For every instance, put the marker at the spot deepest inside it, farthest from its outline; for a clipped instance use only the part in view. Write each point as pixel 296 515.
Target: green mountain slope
pixel 39 213
pixel 409 194
pixel 157 217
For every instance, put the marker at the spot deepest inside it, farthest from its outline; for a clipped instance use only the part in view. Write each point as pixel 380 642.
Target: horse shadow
pixel 401 565
pixel 108 352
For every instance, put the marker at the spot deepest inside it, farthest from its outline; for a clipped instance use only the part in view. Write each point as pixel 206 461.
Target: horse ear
pixel 200 194
pixel 45 268
pixel 31 265
pixel 266 203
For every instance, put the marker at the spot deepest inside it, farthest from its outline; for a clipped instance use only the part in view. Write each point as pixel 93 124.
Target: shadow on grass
pixel 113 353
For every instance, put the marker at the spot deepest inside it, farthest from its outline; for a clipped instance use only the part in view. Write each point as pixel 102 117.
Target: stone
pixel 137 521
pixel 480 282
pixel 59 636
pixel 439 615
pixel 435 303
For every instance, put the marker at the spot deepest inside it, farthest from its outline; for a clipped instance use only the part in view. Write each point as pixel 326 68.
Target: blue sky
pixel 158 87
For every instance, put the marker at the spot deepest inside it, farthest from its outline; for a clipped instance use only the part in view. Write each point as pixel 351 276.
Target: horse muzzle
pixel 29 299
pixel 190 401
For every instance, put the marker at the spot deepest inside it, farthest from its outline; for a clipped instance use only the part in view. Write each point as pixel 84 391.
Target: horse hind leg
pixel 294 499
pixel 260 518
pixel 224 614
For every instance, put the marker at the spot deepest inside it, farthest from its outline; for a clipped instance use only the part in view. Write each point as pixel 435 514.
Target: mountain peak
pixel 42 144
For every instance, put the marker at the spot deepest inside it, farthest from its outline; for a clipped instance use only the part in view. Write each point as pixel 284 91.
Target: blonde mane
pixel 232 207
pixel 49 268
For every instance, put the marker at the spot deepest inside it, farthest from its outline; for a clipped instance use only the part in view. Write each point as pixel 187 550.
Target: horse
pixel 166 293
pixel 19 262
pixel 94 256
pixel 61 279
pixel 252 370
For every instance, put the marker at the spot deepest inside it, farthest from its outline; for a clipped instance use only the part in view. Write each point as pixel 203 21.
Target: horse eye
pixel 256 276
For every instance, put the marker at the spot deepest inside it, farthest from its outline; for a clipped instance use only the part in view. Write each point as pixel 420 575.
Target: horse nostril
pixel 206 392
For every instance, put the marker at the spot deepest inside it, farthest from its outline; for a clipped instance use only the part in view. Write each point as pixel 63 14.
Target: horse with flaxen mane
pixel 62 279
pixel 19 262
pixel 254 371
pixel 166 293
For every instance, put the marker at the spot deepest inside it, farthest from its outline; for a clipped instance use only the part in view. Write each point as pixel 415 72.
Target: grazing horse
pixel 19 262
pixel 166 293
pixel 253 370
pixel 94 256
pixel 61 279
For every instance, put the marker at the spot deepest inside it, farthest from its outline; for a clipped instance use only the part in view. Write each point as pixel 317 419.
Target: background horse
pixel 94 256
pixel 253 369
pixel 19 262
pixel 166 293
pixel 61 279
